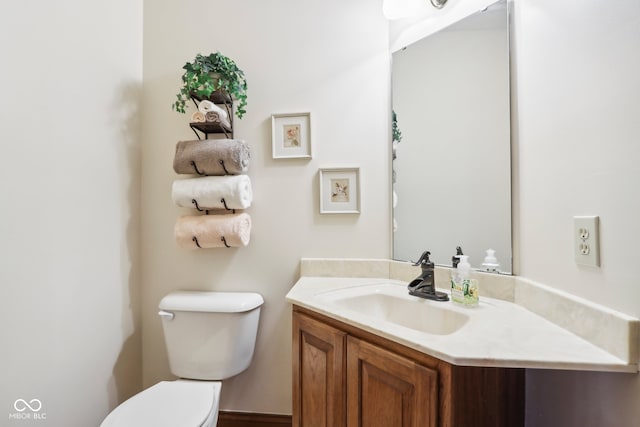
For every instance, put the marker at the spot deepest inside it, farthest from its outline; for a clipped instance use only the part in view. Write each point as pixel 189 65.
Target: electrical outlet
pixel 586 240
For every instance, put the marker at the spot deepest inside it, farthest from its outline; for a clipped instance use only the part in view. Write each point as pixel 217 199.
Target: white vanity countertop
pixel 498 334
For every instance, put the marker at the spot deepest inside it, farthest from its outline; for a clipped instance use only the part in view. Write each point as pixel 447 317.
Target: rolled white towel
pixel 210 191
pixel 205 106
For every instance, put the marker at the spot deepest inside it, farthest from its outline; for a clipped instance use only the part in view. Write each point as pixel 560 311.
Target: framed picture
pixel 291 135
pixel 339 190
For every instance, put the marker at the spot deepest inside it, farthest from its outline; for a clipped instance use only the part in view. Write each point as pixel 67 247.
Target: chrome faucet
pixel 424 286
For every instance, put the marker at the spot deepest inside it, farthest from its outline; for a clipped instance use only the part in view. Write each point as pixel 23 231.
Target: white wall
pixel 578 103
pixel 329 58
pixel 69 324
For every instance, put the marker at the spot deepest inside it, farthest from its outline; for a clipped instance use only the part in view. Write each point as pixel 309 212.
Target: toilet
pixel 210 336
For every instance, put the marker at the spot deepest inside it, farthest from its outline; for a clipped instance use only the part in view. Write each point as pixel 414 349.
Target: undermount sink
pixel 391 303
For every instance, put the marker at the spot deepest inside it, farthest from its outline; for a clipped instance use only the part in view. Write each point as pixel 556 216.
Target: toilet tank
pixel 210 335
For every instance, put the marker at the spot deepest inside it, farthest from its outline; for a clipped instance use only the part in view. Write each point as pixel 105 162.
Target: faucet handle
pixel 424 259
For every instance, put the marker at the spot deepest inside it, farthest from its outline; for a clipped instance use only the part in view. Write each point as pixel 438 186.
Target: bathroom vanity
pixel 365 352
pixel 343 375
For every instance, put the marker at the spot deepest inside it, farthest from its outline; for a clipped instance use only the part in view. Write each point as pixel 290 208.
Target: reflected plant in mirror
pixel 452 172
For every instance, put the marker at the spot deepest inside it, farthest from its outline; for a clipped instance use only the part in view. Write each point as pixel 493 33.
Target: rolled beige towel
pixel 198 117
pixel 212 157
pixel 212 116
pixel 213 231
pixel 215 117
pixel 213 192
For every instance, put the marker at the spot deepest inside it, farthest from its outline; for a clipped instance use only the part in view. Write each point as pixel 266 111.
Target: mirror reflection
pixel 452 158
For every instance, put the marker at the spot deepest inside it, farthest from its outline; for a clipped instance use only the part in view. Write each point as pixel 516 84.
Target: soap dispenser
pixel 490 263
pixel 464 289
pixel 456 258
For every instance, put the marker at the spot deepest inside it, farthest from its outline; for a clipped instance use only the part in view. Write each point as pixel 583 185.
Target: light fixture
pixel 397 9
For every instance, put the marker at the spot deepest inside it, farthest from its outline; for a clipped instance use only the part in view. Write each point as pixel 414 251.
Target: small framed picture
pixel 339 190
pixel 291 136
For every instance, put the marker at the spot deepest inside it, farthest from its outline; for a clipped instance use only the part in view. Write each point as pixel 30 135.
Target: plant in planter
pixel 208 74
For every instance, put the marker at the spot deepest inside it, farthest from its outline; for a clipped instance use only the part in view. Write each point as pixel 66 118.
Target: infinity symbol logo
pixel 21 405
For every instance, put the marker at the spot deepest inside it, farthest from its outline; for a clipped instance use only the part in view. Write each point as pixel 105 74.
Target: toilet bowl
pixel 210 336
pixel 170 404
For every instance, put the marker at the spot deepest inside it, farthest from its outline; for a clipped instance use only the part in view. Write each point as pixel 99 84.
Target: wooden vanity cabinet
pixel 385 389
pixel 318 373
pixel 344 376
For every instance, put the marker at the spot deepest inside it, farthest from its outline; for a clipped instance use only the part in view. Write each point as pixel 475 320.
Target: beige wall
pixel 329 58
pixel 578 103
pixel 69 187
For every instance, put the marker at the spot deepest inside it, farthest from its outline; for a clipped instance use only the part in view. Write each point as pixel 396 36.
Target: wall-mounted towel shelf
pixel 210 129
pixel 206 211
pixel 221 184
pixel 220 162
pixel 219 98
pixel 222 239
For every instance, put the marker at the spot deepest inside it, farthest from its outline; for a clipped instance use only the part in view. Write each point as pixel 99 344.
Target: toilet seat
pixel 169 404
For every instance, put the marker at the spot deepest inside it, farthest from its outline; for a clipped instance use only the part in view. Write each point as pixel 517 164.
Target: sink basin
pixel 391 303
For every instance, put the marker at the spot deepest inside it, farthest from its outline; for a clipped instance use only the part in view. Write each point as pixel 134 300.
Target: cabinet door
pixel 318 374
pixel 388 390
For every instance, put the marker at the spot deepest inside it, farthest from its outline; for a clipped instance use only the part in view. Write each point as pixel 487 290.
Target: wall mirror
pixel 452 165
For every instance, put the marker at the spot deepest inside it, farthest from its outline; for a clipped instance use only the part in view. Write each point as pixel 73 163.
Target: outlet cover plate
pixel 586 240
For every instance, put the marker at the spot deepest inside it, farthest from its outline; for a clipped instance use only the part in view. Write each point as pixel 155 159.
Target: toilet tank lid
pixel 215 302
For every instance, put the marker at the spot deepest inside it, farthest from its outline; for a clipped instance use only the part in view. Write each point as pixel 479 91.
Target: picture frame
pixel 339 190
pixel 291 136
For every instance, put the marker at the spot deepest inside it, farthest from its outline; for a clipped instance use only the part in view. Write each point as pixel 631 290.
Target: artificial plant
pixel 208 74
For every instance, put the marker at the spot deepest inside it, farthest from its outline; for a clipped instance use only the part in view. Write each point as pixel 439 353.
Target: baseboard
pixel 251 419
